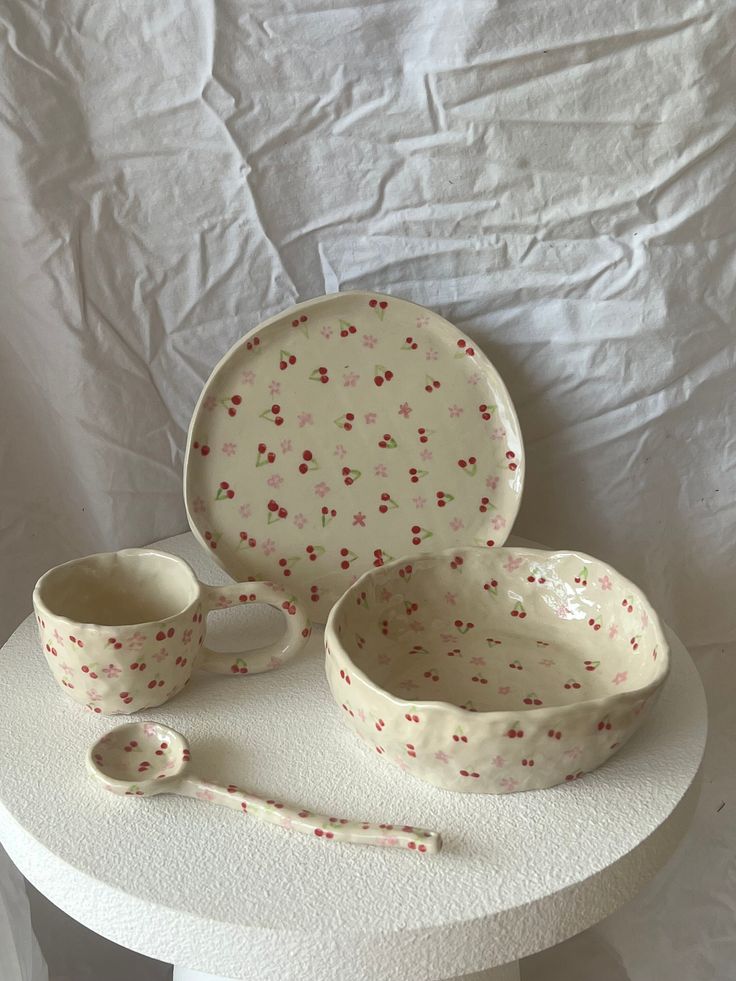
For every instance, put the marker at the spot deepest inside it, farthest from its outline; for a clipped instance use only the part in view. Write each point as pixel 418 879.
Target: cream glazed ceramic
pixel 122 631
pixel 145 758
pixel 495 670
pixel 344 431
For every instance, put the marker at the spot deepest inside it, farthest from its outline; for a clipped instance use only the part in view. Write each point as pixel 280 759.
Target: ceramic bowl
pixel 495 670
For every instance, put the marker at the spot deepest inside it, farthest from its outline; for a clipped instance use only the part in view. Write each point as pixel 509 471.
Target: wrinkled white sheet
pixel 556 177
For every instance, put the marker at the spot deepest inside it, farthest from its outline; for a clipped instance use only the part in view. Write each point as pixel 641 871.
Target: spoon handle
pixel 309 823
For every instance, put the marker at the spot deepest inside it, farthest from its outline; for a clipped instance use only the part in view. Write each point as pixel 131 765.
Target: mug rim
pixel 41 607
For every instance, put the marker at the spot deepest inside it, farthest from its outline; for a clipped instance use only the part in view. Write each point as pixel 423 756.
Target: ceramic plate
pixel 346 431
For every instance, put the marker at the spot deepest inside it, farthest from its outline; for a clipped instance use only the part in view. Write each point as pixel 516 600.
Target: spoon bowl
pixel 140 759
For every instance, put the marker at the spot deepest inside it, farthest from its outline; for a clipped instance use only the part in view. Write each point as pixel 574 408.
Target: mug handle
pixel 298 628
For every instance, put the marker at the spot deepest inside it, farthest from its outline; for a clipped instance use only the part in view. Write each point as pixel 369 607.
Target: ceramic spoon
pixel 145 758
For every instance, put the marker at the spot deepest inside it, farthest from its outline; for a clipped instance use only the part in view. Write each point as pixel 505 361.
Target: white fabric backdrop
pixel 557 178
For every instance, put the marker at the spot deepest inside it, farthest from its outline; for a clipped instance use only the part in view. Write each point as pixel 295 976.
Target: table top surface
pixel 209 888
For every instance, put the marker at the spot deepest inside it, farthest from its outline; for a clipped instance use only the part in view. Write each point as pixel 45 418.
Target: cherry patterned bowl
pixel 495 670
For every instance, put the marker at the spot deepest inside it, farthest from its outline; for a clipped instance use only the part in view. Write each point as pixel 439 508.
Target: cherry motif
pixel 491 587
pixel 431 384
pixel 456 562
pixel 431 675
pixel 381 375
pixel 314 594
pixel 443 499
pixel 486 411
pixel 224 492
pixel 527 762
pixel 517 665
pixel 485 503
pixel 308 462
pixel 347 329
pixel 581 578
pixel 320 375
pixel 327 515
pixel 350 475
pixel 628 605
pixel 604 724
pixel 287 358
pixel 424 434
pixel 468 466
pixel 275 512
pixel 467 773
pixel 419 534
pixel 464 349
pixel 595 623
pixel 245 540
pixel 345 421
pixel 554 734
pixel 514 732
pixel 203 448
pixel 416 475
pixel 388 442
pixel 459 738
pixel 410 717
pixel 572 684
pixel 300 321
pixel 409 344
pixel 252 345
pixel 532 699
pixel 264 455
pixel 346 558
pixel 478 679
pixel 273 415
pixel 518 611
pixel 511 456
pixel 386 502
pixel 410 750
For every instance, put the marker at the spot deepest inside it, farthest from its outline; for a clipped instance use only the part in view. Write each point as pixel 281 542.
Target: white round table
pixel 211 891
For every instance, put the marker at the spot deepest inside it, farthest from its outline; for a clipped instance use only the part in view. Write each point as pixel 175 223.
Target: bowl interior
pixel 501 629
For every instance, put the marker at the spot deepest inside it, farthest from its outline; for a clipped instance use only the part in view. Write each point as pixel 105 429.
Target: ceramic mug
pixel 123 631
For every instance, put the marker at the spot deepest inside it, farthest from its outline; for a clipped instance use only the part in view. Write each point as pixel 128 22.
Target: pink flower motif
pixel 229 448
pixel 350 379
pixel 93 695
pixel 417 626
pixel 573 752
pixel 408 685
pixel 369 340
pixel 359 519
pixel 112 671
pixel 475 378
pixel 58 638
pixel 498 761
pixel 361 715
pixel 275 662
pixel 386 595
pixel 275 480
pixel 431 355
pixel 205 794
pixel 161 655
pixel 248 377
pixel 498 433
pixel 511 564
pixel 613 631
pixel 305 419
pixel 245 510
pixel 209 403
pixel 422 321
pixel 198 505
pixel 491 483
pixel 223 603
pixel 299 520
pixel 274 388
pixel 269 546
pixel 457 523
pixel 455 411
pixel 562 611
pixel 547 662
pixel 480 661
pixel 384 658
pixel 644 618
pixel 149 729
pixel 286 446
pixel 498 521
pixel 136 641
pixel 321 489
pixel 419 502
pixel 340 451
pixel 186 636
pixel 326 332
pixel 370 418
pixel 504 690
pixel 448 638
pixel 380 470
pixel 65 668
pixel 605 582
pixel 405 410
pixel 451 598
pixel 509 783
pixel 425 454
pixel 619 678
pixel 442 756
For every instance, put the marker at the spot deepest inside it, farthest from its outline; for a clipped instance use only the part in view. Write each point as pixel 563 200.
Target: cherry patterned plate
pixel 344 432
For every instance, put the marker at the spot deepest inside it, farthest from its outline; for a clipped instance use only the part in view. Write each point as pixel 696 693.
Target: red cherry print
pixel 373 303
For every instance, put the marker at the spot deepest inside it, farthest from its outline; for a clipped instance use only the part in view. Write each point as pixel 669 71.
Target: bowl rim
pixel 332 640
